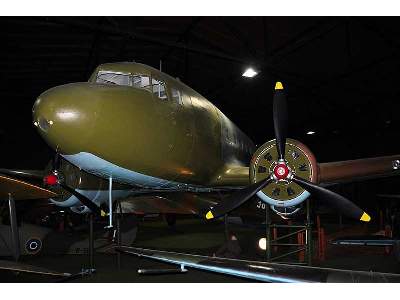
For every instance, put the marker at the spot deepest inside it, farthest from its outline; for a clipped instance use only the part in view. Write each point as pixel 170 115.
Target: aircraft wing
pixel 20 267
pixel 232 176
pixel 261 271
pixel 358 169
pixel 171 202
pixel 328 173
pixel 369 240
pixel 21 190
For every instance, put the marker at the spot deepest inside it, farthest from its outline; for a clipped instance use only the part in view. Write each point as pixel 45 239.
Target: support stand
pixel 309 242
pixel 14 227
pixel 91 243
pixel 268 233
pixel 91 270
pixel 226 229
pixel 303 232
pixel 110 202
pixel 118 241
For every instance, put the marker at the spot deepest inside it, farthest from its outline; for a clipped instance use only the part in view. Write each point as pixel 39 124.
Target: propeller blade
pixel 345 206
pixel 84 200
pixel 280 116
pixel 56 162
pixel 236 199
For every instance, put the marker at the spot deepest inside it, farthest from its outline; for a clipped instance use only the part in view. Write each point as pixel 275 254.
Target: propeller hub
pixel 281 171
pixel 50 179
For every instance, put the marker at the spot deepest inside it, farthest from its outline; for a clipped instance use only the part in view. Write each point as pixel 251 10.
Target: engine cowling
pixel 93 187
pixel 282 192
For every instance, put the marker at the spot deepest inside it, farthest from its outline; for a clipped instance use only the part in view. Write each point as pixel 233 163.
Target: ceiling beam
pixel 142 37
pixel 183 37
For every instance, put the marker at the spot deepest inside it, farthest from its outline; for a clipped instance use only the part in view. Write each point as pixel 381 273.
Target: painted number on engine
pixel 261 205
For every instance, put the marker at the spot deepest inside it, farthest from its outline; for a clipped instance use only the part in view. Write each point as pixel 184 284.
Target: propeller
pixel 280 117
pixel 56 162
pixel 236 199
pixel 84 200
pixel 56 179
pixel 342 204
pixel 282 172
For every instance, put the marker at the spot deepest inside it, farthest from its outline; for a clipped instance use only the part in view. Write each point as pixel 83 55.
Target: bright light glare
pixel 262 243
pixel 66 115
pixel 250 72
pixel 311 132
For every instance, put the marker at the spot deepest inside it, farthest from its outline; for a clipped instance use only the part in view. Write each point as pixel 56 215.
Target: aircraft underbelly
pixel 105 169
pixel 97 196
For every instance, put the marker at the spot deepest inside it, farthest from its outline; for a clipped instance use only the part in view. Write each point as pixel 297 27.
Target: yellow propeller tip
pixel 278 86
pixel 365 217
pixel 209 215
pixel 103 214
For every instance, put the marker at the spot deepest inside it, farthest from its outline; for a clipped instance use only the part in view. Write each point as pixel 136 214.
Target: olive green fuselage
pixel 187 141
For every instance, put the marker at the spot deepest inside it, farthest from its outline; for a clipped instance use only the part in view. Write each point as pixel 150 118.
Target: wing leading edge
pixel 359 169
pixel 261 271
pixel 20 267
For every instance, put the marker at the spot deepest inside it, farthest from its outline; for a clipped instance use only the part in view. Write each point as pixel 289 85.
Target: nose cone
pixel 64 117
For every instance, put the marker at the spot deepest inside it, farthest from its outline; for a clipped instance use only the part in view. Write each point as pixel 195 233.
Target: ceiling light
pixel 250 72
pixel 311 132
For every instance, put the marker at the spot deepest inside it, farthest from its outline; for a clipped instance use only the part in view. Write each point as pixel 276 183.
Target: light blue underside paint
pixel 105 169
pixel 287 203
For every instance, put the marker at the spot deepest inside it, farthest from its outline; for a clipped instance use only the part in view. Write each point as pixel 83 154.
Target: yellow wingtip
pixel 365 217
pixel 209 215
pixel 103 214
pixel 278 85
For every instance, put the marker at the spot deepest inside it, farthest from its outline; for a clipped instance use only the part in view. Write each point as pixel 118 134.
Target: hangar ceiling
pixel 341 73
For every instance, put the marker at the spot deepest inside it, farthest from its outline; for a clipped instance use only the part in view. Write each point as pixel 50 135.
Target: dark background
pixel 341 73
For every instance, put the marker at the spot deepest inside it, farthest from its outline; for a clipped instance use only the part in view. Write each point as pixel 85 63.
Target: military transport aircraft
pixel 137 135
pixel 134 133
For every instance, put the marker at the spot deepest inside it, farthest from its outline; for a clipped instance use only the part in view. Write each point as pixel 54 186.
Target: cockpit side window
pixel 140 81
pixel 107 77
pixel 176 95
pixel 158 88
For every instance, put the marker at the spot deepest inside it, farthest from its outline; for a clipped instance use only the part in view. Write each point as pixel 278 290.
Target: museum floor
pixel 190 236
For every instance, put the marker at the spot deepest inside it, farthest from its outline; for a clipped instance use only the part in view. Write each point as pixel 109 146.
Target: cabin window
pixel 107 77
pixel 140 81
pixel 158 88
pixel 176 96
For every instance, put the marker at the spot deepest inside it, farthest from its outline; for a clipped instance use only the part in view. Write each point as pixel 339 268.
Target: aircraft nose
pixel 63 117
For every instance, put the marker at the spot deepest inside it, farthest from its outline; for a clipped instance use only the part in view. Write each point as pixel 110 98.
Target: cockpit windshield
pixel 157 87
pixel 113 78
